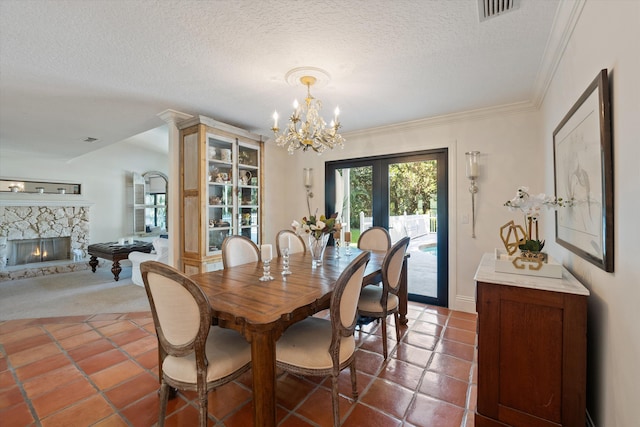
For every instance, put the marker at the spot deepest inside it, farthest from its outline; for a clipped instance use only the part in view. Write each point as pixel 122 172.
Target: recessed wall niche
pixel 38 187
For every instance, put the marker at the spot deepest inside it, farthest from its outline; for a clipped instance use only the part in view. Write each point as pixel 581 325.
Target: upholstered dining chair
pixel 295 242
pixel 322 347
pixel 378 302
pixel 375 239
pixel 193 355
pixel 238 250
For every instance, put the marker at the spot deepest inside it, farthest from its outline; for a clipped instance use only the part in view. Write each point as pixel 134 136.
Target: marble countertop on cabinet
pixel 568 284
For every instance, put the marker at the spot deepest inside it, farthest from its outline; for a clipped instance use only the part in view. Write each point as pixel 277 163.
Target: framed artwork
pixel 583 173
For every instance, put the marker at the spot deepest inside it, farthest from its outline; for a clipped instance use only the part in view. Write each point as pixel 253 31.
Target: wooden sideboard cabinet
pixel 532 341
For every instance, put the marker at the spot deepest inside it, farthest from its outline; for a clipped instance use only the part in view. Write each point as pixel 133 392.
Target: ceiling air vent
pixel 490 8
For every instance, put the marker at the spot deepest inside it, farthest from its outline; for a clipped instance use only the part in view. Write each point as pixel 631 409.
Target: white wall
pixel 607 36
pixel 509 140
pixel 103 175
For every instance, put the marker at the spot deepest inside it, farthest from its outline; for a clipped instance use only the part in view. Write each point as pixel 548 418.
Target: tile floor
pixel 102 370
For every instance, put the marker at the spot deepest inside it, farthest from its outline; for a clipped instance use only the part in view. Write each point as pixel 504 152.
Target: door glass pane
pixel 412 212
pixel 354 199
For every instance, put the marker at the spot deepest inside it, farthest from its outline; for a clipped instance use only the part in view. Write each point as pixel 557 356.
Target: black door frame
pixel 379 165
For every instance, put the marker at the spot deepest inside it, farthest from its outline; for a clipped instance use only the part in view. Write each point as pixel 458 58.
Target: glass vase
pixel 317 245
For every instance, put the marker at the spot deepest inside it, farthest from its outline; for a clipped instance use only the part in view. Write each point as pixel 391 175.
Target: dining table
pixel 262 310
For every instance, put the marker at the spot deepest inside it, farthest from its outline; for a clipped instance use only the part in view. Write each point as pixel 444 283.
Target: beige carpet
pixel 71 294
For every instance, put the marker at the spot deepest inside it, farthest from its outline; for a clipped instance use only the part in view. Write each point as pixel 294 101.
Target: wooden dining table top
pixel 237 295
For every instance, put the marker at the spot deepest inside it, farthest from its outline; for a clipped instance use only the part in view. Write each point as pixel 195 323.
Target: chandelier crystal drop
pixel 306 128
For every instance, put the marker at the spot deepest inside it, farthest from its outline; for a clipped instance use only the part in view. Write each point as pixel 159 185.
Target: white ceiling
pixel 104 69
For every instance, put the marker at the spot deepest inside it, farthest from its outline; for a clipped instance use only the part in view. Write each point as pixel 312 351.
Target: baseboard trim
pixel 465 303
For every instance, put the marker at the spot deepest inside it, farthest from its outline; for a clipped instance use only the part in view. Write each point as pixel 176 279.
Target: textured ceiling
pixel 105 69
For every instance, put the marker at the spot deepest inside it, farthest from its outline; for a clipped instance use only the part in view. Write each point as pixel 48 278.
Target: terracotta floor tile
pixel 42 366
pixel 114 420
pixel 224 399
pixel 66 395
pixel 66 330
pixel 33 354
pixel 10 396
pixel 82 414
pixel 459 323
pixel 18 334
pixel 427 328
pixel 444 388
pixel 412 354
pixel 388 397
pixel 472 317
pixel 129 391
pixel 460 335
pixel 242 417
pixel 291 390
pixel 90 349
pixel 365 416
pixel 116 328
pixel 427 411
pixel 27 343
pixel 295 421
pixel 344 382
pixel 436 318
pixel 319 409
pixel 451 366
pixel 11 326
pixel 79 339
pixel 402 373
pixel 456 349
pixel 144 412
pixel 421 340
pixel 368 362
pixel 129 336
pixel 101 361
pixel 149 360
pixel 6 379
pixel 115 374
pixel 51 380
pixel 16 415
pixel 140 346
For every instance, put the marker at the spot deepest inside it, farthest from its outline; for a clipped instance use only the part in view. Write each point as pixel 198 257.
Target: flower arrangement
pixel 317 226
pixel 531 207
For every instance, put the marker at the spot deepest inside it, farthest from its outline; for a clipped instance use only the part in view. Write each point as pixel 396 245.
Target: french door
pixel 407 195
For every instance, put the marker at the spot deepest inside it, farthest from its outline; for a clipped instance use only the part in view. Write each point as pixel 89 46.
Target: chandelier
pixel 306 128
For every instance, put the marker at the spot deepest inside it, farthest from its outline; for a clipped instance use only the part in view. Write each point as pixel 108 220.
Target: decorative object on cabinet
pixel 583 169
pixel 306 128
pixel 471 170
pixel 517 237
pixel 221 192
pixel 532 346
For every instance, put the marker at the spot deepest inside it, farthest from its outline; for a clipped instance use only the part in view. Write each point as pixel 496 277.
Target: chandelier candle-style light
pixel 306 128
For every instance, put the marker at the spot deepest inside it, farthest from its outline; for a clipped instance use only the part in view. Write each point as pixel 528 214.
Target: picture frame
pixel 583 176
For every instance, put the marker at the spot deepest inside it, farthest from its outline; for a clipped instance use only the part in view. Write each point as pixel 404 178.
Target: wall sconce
pixel 472 174
pixel 307 177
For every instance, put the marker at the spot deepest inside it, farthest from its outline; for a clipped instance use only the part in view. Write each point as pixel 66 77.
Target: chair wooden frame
pixel 293 235
pixel 196 345
pixel 231 240
pixel 348 278
pixel 390 285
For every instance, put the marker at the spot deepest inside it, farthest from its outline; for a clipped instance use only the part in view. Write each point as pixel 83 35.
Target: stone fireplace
pixel 34 225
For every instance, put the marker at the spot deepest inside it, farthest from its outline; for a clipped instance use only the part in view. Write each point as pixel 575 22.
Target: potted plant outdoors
pixel 531 246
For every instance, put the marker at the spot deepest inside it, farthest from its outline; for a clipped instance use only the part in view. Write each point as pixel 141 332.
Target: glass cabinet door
pixel 233 191
pixel 248 182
